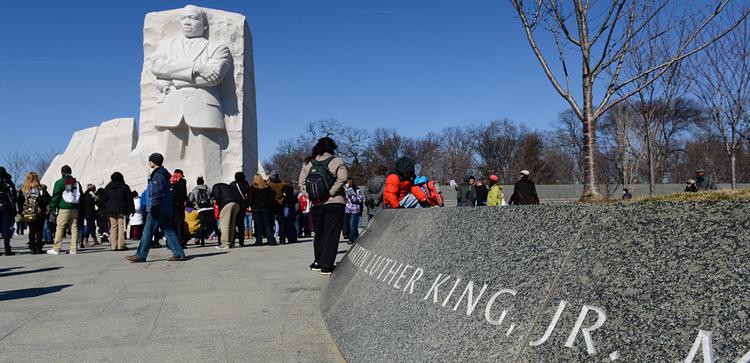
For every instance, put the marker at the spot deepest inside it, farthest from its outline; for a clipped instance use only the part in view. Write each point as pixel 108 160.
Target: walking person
pixel 201 197
pixel 66 198
pixel 374 192
pixel 322 178
pixel 117 200
pixel 353 210
pixel 241 185
pixel 524 191
pixel 495 197
pixel 159 212
pixel 8 210
pixel 261 200
pixel 178 187
pixel 230 203
pixel 136 218
pixel 33 202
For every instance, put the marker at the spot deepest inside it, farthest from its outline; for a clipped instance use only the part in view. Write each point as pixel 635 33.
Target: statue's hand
pixel 207 72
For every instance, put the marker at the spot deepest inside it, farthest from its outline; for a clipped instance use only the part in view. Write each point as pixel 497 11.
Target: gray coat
pixel 467 195
pixel 374 194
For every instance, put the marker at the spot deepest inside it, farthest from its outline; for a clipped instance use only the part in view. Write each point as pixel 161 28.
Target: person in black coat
pixel 89 212
pixel 262 201
pixel 8 210
pixel 178 186
pixel 229 201
pixel 117 203
pixel 524 191
pixel 241 185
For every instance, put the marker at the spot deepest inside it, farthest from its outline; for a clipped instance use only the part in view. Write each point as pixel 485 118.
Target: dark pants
pixel 6 223
pixel 263 226
pixel 90 229
pixel 304 225
pixel 278 215
pixel 136 232
pixel 239 226
pixel 351 225
pixel 290 217
pixel 178 219
pixel 328 220
pixel 36 236
pixel 20 227
pixel 208 225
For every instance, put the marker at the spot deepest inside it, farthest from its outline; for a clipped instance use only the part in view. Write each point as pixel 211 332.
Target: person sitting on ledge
pixel 398 185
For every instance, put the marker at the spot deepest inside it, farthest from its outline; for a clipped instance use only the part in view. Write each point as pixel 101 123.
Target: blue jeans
pixel 47 231
pixel 148 231
pixel 352 222
pixel 249 222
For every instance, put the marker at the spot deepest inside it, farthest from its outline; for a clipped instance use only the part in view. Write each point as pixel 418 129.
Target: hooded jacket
pixel 399 182
pixel 117 198
pixel 7 193
pixel 159 195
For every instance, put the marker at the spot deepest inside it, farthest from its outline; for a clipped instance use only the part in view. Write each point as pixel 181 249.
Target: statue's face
pixel 192 22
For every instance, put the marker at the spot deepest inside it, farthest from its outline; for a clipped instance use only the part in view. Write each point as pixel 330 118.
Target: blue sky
pixel 412 65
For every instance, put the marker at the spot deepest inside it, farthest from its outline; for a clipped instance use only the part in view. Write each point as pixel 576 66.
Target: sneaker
pixel 315 266
pixel 72 252
pixel 326 270
pixel 222 247
pixel 52 252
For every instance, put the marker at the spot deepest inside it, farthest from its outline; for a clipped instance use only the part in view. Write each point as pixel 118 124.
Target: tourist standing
pixel 322 178
pixel 278 186
pixel 88 209
pixel 495 197
pixel 261 200
pixel 159 212
pixel 230 203
pixel 353 210
pixel 289 210
pixel 524 191
pixel 178 187
pixel 49 222
pixel 397 192
pixel 304 220
pixel 482 192
pixel 8 196
pixel 374 191
pixel 66 198
pixel 33 202
pixel 241 185
pixel 136 219
pixel 467 194
pixel 201 197
pixel 117 200
pixel 702 182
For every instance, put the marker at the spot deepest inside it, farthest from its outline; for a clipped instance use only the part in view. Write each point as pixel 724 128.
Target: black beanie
pixel 66 170
pixel 156 158
pixel 239 176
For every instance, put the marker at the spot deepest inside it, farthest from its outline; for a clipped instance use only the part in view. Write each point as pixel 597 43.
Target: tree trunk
pixel 733 161
pixel 650 158
pixel 590 192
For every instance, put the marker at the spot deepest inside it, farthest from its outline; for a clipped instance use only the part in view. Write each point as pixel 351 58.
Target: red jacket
pixel 395 189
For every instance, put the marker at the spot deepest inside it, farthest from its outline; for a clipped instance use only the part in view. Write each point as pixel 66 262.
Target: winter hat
pixel 525 172
pixel 239 176
pixel 420 180
pixel 116 176
pixel 494 178
pixel 156 158
pixel 66 170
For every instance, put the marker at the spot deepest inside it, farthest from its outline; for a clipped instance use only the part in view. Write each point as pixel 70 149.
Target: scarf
pixel 175 178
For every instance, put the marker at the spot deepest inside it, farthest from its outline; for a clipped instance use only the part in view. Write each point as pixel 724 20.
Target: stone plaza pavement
pixel 252 304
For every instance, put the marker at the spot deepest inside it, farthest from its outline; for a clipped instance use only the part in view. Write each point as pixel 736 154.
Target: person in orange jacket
pixel 398 185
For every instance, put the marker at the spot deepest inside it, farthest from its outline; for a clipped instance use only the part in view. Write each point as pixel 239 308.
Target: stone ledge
pixel 625 283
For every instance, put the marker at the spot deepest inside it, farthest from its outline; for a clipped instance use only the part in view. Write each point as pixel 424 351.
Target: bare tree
pixel 568 137
pixel 604 43
pixel 721 82
pixel 16 164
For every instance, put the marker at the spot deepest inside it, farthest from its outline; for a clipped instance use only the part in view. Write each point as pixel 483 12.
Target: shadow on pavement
pixel 15 273
pixel 4 269
pixel 32 292
pixel 190 257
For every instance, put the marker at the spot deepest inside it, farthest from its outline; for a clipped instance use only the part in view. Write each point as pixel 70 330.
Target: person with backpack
pixel 159 215
pixel 230 203
pixel 374 191
pixel 261 199
pixel 322 178
pixel 117 201
pixel 66 198
pixel 495 197
pixel 201 198
pixel 178 187
pixel 241 185
pixel 524 191
pixel 8 210
pixel 353 210
pixel 398 184
pixel 33 202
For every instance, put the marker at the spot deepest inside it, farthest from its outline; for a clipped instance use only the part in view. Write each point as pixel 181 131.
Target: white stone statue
pixel 197 105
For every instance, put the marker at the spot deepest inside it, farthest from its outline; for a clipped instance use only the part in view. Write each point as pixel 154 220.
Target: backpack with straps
pixel 32 211
pixel 72 192
pixel 319 180
pixel 203 199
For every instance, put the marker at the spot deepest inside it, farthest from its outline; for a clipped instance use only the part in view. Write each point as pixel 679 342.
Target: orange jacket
pixel 395 189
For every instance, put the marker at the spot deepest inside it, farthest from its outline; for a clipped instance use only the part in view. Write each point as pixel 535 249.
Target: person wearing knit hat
pixel 524 191
pixel 495 197
pixel 159 211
